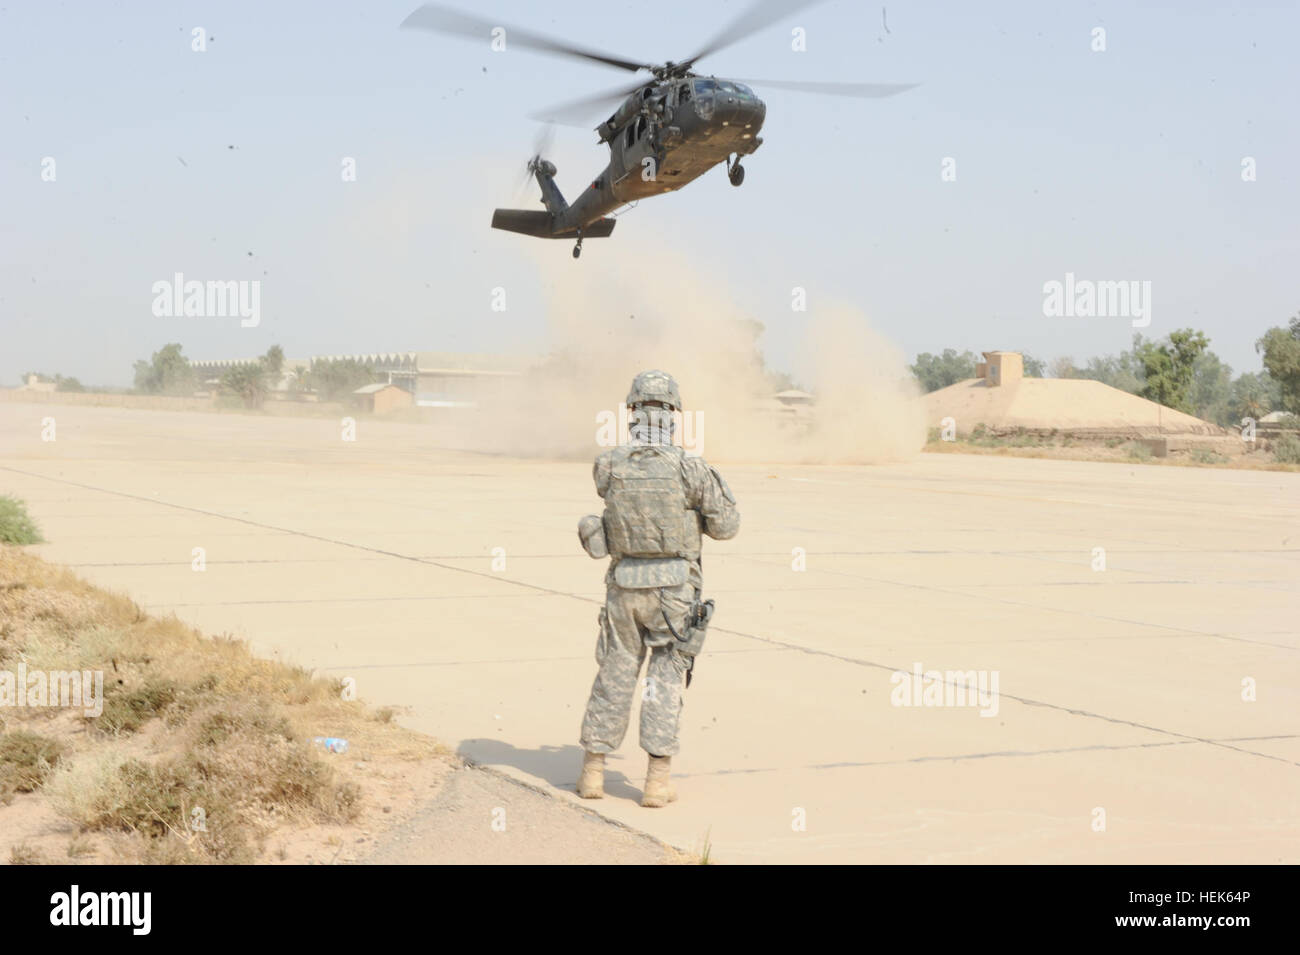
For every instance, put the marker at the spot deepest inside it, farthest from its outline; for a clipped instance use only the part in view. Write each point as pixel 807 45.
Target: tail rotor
pixel 541 145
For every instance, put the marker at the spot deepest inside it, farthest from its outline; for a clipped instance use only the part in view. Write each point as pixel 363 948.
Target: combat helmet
pixel 654 386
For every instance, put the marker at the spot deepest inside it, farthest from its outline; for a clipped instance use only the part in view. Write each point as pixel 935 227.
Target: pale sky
pixel 1116 165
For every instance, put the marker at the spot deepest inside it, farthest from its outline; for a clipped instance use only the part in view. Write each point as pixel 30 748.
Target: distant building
pixel 444 379
pixel 208 373
pixel 466 380
pixel 382 398
pixel 789 405
pixel 34 383
pixel 1001 399
pixel 794 398
pixel 433 379
pixel 1000 368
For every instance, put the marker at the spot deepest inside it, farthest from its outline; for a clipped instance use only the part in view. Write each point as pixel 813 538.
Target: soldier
pixel 657 502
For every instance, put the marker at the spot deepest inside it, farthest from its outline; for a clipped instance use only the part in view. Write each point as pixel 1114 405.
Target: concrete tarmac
pixel 1147 712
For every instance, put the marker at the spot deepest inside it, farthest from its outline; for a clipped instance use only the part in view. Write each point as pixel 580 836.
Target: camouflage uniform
pixel 640 593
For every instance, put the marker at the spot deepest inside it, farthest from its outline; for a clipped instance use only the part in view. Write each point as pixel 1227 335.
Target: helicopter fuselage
pixel 662 137
pixel 666 132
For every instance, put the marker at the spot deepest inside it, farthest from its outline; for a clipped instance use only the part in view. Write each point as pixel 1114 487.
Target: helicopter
pixel 667 130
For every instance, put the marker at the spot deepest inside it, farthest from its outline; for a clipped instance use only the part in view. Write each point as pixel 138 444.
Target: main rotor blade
pixel 761 13
pixel 443 20
pixel 860 90
pixel 579 112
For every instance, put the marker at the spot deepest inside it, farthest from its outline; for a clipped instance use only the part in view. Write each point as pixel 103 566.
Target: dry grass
pixel 23 854
pixel 202 750
pixel 26 761
pixel 1113 450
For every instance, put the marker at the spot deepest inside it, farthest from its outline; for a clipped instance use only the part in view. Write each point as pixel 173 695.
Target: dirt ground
pixel 1224 453
pixel 431 811
pixel 62 767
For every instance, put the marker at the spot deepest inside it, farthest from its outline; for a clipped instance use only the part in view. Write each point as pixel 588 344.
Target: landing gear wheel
pixel 736 174
pixel 577 250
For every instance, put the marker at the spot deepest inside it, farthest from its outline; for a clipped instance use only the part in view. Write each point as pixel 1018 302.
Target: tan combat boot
pixel 591 784
pixel 659 790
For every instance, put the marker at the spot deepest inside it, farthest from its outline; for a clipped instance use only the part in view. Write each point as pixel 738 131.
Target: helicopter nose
pixel 743 114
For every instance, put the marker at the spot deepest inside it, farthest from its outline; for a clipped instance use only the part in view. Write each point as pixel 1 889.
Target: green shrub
pixel 1137 451
pixel 26 759
pixel 127 711
pixel 1286 449
pixel 16 527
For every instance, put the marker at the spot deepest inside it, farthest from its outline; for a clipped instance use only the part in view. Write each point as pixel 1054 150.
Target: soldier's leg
pixel 661 699
pixel 619 651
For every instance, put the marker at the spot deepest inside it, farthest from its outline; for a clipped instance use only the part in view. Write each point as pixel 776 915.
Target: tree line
pixel 1178 371
pixel 169 372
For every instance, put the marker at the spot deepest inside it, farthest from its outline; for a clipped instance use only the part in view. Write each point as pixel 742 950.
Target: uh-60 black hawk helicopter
pixel 666 132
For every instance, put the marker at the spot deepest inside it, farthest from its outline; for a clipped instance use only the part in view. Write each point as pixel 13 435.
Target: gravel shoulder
pixel 485 818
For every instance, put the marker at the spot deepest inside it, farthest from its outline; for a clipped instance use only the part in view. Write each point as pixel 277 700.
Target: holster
pixel 691 642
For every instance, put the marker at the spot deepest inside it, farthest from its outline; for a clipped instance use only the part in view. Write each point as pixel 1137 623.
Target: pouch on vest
pixel 651 573
pixel 591 532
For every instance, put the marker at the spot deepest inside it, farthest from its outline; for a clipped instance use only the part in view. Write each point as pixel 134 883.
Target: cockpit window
pixel 743 90
pixel 726 87
pixel 684 93
pixel 705 87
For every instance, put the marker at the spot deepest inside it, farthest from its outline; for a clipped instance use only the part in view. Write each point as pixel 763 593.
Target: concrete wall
pixel 280 409
pixel 150 402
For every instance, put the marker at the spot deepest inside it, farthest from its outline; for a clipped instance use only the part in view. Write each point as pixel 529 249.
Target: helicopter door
pixel 638 143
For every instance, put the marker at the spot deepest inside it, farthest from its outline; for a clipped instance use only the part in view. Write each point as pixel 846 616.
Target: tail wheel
pixel 736 174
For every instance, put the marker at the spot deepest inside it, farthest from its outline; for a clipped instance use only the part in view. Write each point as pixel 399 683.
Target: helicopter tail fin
pixel 524 221
pixel 542 225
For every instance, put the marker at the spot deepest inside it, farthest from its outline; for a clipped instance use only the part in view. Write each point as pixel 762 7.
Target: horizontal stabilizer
pixel 599 229
pixel 540 224
pixel 525 221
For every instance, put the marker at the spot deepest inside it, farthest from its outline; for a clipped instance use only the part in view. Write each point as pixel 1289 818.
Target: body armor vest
pixel 645 506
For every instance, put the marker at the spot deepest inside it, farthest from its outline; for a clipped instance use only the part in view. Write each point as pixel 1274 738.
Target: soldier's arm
pixel 600 472
pixel 708 493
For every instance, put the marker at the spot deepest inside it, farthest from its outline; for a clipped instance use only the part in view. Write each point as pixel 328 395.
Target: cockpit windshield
pixel 704 87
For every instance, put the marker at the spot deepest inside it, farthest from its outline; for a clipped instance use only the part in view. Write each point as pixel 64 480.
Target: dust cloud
pixel 606 325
